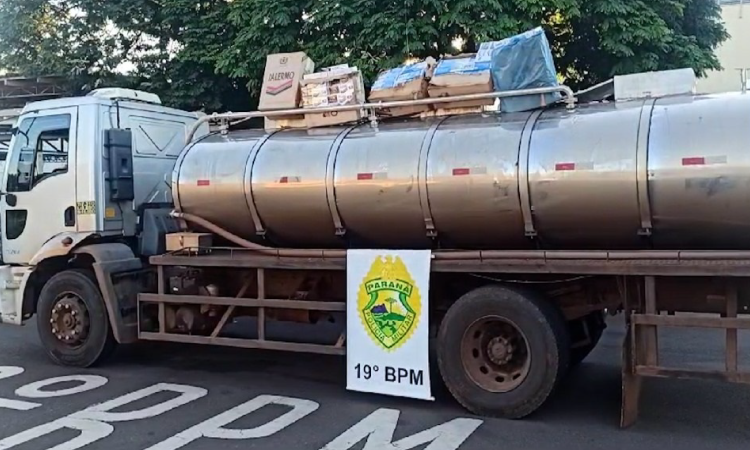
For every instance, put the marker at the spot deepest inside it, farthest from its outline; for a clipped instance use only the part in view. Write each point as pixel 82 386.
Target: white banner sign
pixel 387 322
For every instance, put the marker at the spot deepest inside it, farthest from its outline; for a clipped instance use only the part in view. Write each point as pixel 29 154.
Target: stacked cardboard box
pixel 334 86
pixel 281 87
pixel 407 82
pixel 463 75
pixel 519 62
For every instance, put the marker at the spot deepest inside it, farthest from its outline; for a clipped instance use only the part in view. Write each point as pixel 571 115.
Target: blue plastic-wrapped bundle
pixel 400 76
pixel 523 61
pixel 462 65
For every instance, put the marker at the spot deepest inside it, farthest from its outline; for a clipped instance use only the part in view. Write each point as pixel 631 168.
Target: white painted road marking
pixel 91 431
pixel 95 422
pixel 103 412
pixel 379 427
pixel 214 427
pixel 17 405
pixel 10 371
pixel 92 421
pixel 88 383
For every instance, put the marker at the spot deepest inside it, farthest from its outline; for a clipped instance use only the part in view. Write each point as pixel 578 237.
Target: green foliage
pixel 210 54
pixel 611 37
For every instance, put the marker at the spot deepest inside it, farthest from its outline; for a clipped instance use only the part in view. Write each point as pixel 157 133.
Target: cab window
pixel 39 151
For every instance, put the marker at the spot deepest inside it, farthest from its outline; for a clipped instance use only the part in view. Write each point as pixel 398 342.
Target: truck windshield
pixel 39 150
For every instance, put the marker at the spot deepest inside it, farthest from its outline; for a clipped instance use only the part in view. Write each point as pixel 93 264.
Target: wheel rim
pixel 69 321
pixel 495 354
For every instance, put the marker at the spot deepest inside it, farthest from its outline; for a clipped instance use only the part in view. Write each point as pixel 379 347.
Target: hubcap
pixel 495 354
pixel 500 350
pixel 69 321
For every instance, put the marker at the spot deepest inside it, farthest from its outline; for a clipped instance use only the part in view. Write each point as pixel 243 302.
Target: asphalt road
pixel 583 415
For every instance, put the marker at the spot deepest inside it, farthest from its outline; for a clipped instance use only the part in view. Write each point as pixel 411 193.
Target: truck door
pixel 39 199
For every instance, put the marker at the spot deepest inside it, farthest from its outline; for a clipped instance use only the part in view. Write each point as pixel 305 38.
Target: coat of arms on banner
pixel 389 303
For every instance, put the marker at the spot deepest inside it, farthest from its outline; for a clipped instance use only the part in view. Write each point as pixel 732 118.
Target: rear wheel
pixel 72 320
pixel 502 351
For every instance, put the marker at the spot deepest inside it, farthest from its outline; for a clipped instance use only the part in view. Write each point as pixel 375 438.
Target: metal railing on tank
pixel 371 108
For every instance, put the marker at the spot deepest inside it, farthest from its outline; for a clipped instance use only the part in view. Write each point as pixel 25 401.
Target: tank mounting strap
pixel 424 198
pixel 333 154
pixel 644 205
pixel 248 183
pixel 523 174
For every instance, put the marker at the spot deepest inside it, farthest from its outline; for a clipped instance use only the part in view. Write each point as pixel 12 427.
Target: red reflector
pixel 204 182
pixel 364 176
pixel 461 172
pixel 284 180
pixel 696 161
pixel 565 166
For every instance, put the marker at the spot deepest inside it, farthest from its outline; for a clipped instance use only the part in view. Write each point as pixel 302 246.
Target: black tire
pixel 99 342
pixel 545 334
pixel 596 326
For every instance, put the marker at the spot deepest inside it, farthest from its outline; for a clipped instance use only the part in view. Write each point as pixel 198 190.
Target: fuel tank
pixel 668 173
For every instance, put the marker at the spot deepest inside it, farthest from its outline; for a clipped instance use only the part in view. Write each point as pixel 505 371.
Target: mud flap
pixel 119 286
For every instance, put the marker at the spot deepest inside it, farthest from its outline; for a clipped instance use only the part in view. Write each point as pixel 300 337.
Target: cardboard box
pixel 451 112
pixel 194 242
pixel 336 86
pixel 327 119
pixel 281 81
pixel 406 82
pixel 403 111
pixel 282 124
pixel 463 75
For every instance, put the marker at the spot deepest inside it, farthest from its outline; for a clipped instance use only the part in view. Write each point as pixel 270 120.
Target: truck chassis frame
pixel 640 271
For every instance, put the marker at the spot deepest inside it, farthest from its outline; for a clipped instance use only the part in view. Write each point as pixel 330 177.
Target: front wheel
pixel 72 320
pixel 502 351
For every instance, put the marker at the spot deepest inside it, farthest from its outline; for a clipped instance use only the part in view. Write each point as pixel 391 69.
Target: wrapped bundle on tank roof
pixel 523 61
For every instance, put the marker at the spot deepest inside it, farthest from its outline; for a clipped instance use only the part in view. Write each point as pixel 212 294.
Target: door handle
pixel 70 216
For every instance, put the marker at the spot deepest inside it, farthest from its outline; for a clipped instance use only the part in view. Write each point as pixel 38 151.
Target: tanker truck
pixel 536 225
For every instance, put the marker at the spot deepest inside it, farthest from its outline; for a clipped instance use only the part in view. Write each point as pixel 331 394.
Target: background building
pixel 734 54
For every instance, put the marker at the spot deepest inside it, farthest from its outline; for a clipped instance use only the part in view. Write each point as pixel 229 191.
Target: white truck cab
pixel 82 169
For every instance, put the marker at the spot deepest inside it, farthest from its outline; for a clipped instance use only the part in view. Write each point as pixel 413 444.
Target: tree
pixel 210 54
pixel 592 39
pixel 610 37
pixel 182 66
pixel 166 46
pixel 50 37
